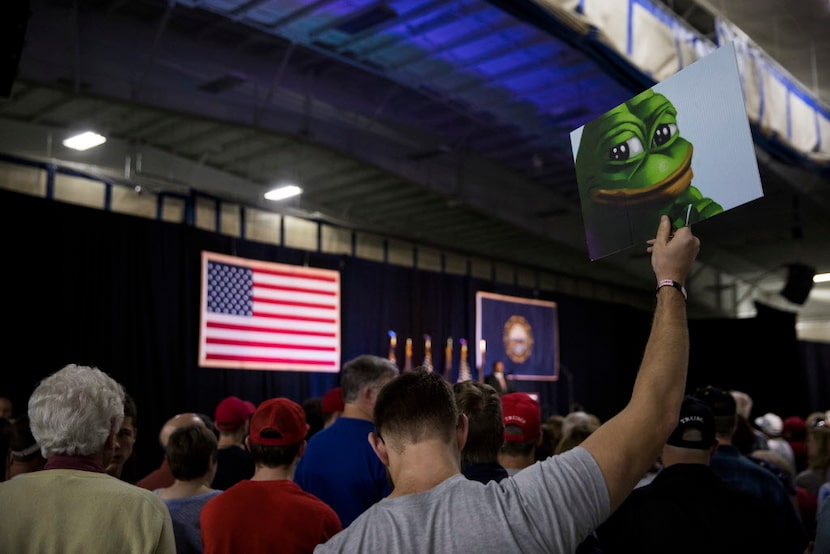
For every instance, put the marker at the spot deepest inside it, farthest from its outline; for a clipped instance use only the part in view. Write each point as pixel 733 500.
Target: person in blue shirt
pixel 339 466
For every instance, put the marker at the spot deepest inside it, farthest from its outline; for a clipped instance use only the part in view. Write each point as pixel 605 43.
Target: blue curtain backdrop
pixel 119 292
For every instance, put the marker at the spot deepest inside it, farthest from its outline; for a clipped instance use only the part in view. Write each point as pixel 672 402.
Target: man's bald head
pixel 177 422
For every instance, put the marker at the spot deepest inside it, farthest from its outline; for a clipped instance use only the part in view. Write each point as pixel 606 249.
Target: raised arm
pixel 627 444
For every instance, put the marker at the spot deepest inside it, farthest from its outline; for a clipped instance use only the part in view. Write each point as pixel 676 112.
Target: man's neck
pixel 356 411
pixel 724 440
pixel 422 466
pixel 93 462
pixel 230 439
pixel 516 462
pixel 280 473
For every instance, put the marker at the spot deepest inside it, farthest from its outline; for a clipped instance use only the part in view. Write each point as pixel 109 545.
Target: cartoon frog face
pixel 633 154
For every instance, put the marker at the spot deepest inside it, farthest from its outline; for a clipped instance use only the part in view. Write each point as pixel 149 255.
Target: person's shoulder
pixel 805 475
pixel 344 431
pixel 24 484
pixel 318 505
pixel 350 423
pixel 222 500
pixel 764 473
pixel 128 496
pixel 298 497
pixel 645 496
pixel 195 500
pixel 736 496
pixel 317 446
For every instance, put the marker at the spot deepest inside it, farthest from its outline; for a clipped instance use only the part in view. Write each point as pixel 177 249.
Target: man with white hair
pixel 73 506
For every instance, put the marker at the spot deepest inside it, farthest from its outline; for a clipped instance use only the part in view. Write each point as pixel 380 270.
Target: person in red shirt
pixel 269 512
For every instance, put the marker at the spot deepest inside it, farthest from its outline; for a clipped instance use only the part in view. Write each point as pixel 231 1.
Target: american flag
pixel 263 315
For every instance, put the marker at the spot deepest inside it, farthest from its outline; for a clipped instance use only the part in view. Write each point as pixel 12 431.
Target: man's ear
pixel 112 438
pixel 461 429
pixel 379 447
pixel 248 443
pixel 368 394
pixel 112 441
pixel 539 439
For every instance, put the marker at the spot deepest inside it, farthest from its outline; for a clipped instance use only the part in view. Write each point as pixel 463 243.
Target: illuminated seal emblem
pixel 518 339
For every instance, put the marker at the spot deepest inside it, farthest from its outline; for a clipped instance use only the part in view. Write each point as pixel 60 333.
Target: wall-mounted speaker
pixel 799 283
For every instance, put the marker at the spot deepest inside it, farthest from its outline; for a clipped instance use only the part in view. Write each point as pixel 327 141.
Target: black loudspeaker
pixel 799 283
pixel 13 24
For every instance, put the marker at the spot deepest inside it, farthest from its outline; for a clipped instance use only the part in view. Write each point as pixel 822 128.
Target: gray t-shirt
pixel 551 506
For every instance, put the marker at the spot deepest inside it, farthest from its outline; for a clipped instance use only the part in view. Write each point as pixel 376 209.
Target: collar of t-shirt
pixel 82 463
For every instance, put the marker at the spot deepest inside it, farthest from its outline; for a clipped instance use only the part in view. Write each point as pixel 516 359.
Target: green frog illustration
pixel 632 167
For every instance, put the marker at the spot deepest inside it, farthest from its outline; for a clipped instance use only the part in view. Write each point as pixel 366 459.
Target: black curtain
pixel 121 293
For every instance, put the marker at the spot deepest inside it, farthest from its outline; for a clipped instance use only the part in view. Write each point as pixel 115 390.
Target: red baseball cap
pixel 333 401
pixel 521 410
pixel 231 413
pixel 278 422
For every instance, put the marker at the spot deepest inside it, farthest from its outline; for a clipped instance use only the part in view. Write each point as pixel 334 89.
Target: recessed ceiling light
pixel 85 141
pixel 283 192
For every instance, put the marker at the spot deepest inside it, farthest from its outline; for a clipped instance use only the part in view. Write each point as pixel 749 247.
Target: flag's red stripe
pixel 277 302
pixel 295 289
pixel 249 343
pixel 229 357
pixel 257 329
pixel 294 275
pixel 295 317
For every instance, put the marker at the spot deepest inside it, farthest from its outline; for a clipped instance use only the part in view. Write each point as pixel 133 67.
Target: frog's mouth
pixel 670 187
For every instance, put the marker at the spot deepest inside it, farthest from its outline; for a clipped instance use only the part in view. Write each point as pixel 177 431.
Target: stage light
pixel 283 192
pixel 85 141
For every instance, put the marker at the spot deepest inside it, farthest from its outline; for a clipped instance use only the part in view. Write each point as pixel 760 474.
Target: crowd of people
pixel 392 461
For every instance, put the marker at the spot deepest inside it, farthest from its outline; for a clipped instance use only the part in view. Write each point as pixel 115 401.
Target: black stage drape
pixel 87 286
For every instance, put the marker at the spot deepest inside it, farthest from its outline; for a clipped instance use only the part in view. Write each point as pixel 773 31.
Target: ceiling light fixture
pixel 821 278
pixel 85 141
pixel 283 192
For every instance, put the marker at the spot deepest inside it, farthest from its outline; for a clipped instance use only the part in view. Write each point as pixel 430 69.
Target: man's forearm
pixel 661 381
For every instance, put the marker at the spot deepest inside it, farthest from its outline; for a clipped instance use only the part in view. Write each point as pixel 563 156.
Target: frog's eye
pixel 625 150
pixel 663 133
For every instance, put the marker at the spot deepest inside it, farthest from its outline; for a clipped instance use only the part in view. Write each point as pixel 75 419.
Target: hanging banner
pixel 521 333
